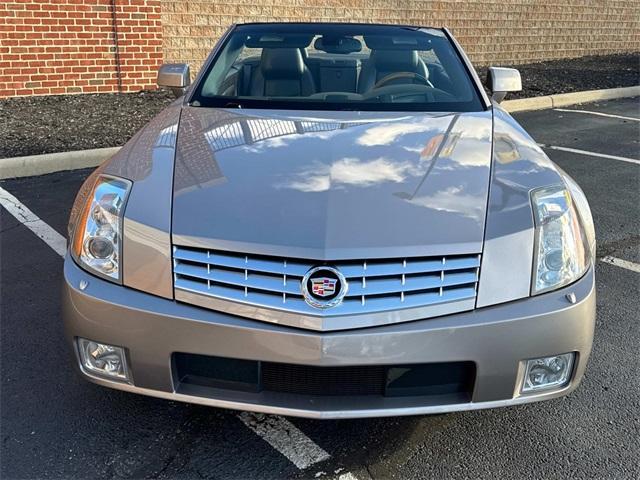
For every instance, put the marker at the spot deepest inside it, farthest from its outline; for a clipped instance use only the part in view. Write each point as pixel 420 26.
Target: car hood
pixel 332 185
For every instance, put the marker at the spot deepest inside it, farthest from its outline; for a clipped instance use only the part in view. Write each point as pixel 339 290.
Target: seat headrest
pixel 281 63
pixel 395 60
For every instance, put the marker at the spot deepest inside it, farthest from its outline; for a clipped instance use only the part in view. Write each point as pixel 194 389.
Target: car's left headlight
pixel 97 235
pixel 563 251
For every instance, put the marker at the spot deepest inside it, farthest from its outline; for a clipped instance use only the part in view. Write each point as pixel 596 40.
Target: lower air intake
pixel 427 379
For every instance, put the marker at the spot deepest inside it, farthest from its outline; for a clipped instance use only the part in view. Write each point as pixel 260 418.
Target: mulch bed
pixel 60 123
pixel 577 74
pixel 35 125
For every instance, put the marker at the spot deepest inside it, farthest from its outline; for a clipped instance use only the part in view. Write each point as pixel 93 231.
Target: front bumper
pixel 497 339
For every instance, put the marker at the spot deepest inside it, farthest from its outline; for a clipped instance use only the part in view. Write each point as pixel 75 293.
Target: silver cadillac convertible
pixel 332 221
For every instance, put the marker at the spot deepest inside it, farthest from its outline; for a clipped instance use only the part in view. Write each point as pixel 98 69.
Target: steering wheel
pixel 398 75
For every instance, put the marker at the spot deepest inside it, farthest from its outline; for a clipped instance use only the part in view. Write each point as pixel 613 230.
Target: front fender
pixel 147 160
pixel 518 166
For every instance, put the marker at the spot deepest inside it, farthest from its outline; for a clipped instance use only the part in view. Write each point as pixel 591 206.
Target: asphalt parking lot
pixel 55 425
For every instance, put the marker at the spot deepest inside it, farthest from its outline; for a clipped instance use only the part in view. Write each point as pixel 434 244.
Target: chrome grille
pixel 375 285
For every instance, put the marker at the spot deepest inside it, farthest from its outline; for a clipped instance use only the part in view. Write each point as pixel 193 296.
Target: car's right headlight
pixel 563 253
pixel 97 227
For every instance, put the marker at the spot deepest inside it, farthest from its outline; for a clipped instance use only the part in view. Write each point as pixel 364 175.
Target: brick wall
pixel 68 46
pixel 505 32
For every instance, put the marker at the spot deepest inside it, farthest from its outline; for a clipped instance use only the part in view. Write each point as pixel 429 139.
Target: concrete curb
pixel 53 162
pixel 56 162
pixel 565 99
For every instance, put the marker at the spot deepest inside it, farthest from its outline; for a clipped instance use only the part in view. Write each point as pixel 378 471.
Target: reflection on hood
pixel 454 200
pixel 350 171
pixel 389 133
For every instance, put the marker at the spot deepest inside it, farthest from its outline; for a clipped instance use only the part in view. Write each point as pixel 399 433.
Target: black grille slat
pixel 309 380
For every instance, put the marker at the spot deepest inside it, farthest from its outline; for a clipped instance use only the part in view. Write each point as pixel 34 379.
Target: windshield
pixel 337 67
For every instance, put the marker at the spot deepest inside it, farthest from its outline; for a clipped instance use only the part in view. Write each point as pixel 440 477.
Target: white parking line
pixel 285 437
pixel 600 114
pixel 277 431
pixel 591 154
pixel 30 220
pixel 618 262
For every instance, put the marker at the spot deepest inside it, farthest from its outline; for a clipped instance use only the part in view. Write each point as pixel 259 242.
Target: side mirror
pixel 501 81
pixel 175 76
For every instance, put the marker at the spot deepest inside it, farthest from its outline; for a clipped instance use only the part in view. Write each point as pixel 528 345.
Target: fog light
pixel 103 360
pixel 547 372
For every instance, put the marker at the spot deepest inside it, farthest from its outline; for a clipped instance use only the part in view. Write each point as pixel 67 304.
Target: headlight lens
pixel 97 239
pixel 562 252
pixel 582 206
